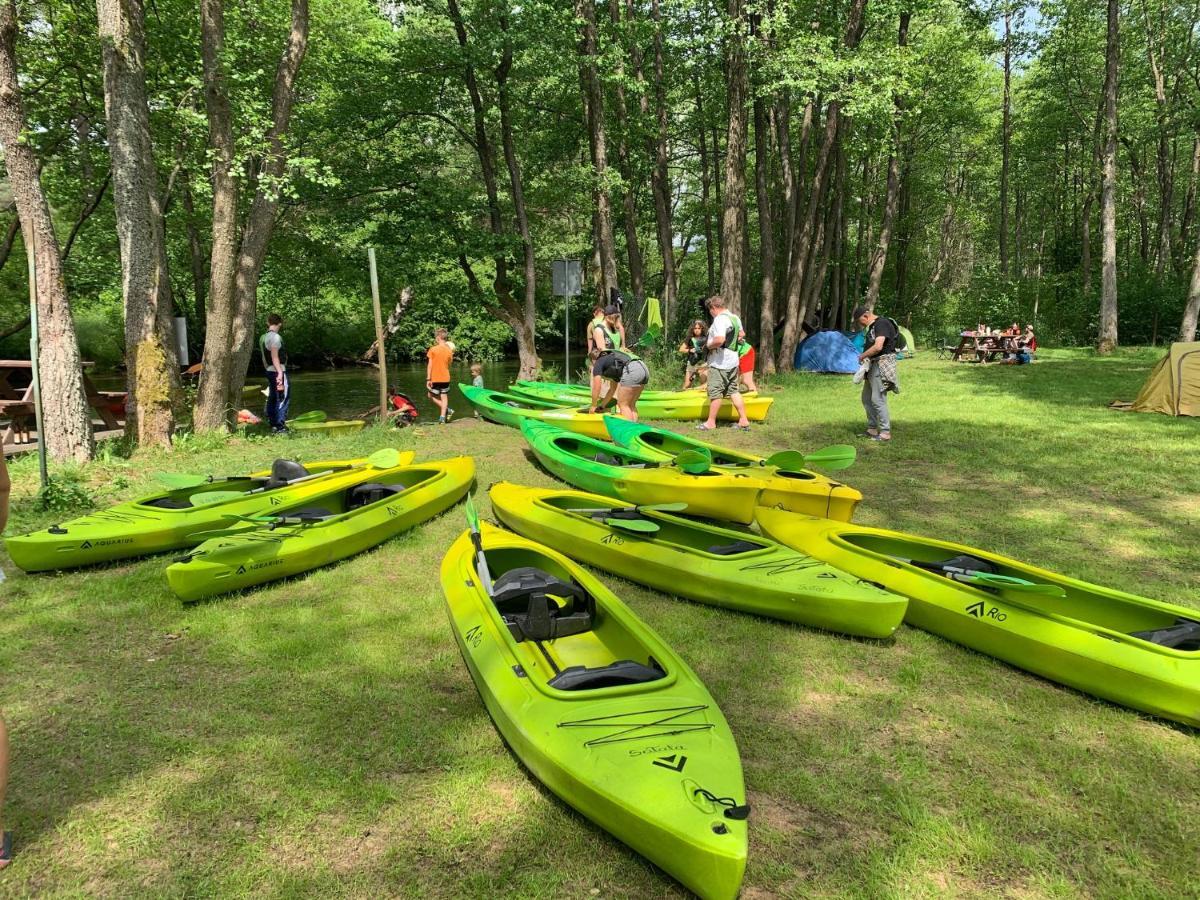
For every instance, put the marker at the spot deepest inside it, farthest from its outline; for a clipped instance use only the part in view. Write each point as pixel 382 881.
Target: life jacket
pixel 611 338
pixel 696 354
pixel 619 363
pixel 266 357
pixel 733 340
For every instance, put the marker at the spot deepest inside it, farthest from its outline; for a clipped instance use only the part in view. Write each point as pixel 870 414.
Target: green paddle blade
pixel 387 458
pixel 210 497
pixel 641 526
pixel 694 462
pixel 257 520
pixel 839 456
pixel 305 418
pixel 665 507
pixel 178 480
pixel 1009 583
pixel 472 514
pixel 787 460
pixel 219 533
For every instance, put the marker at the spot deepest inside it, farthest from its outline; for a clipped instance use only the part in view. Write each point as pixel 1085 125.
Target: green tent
pixel 1173 387
pixel 911 349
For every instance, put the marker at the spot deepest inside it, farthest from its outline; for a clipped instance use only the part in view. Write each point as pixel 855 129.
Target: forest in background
pixel 950 161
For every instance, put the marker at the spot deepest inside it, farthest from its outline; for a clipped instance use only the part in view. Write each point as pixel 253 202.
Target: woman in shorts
pixel 625 376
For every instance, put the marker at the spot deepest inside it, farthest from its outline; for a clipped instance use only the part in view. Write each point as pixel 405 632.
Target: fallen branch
pixel 393 323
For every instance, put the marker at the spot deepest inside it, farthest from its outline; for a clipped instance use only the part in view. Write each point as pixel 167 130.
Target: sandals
pixel 737 427
pixel 879 437
pixel 704 426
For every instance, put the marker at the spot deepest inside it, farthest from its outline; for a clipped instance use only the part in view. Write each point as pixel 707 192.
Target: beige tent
pixel 1174 385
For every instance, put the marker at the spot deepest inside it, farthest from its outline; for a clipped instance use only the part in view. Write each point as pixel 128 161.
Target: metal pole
pixel 381 351
pixel 567 340
pixel 34 347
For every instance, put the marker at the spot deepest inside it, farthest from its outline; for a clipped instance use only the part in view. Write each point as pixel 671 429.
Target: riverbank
pixel 323 736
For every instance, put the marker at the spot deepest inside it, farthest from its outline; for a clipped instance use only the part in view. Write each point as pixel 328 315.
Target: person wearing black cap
pixel 608 336
pixel 879 350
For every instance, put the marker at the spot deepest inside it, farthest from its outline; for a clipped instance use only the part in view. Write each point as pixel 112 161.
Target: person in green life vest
pixel 694 352
pixel 607 337
pixel 723 337
pixel 625 377
pixel 274 360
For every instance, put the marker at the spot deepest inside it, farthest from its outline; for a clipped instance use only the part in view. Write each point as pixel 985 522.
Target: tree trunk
pixel 1005 141
pixel 213 402
pixel 1189 201
pixel 1107 340
pixel 1163 150
pixel 1085 243
pixel 66 419
pixel 766 239
pixel 598 142
pixel 657 150
pixel 151 362
pixel 1191 312
pixel 902 237
pixel 195 250
pixel 633 249
pixel 733 218
pixel 261 220
pixel 879 258
pixel 705 181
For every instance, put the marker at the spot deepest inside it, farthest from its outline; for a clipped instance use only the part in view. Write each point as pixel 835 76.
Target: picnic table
pixel 980 345
pixel 16 402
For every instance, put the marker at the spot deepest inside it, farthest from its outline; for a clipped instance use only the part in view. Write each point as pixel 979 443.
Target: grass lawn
pixel 322 736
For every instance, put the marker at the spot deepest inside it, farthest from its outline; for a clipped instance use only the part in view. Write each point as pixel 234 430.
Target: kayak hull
pixel 767 580
pixel 331 426
pixel 1082 640
pixel 580 460
pixel 684 405
pixel 512 410
pixel 145 526
pixel 805 492
pixel 260 554
pixel 636 759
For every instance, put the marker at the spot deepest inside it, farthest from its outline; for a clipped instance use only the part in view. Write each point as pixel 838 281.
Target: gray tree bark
pixel 1107 339
pixel 733 216
pixel 598 142
pixel 151 363
pixel 66 419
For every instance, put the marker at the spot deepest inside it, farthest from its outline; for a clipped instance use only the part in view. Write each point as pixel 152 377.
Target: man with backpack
pixel 881 341
pixel 723 337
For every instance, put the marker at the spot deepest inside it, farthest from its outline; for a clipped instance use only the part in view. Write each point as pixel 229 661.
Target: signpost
pixel 566 278
pixel 381 354
pixel 34 348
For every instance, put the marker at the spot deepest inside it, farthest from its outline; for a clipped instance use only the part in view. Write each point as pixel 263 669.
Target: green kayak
pixel 801 491
pixel 338 522
pixel 329 426
pixel 699 560
pixel 599 709
pixel 1128 649
pixel 512 410
pixel 604 468
pixel 170 520
pixel 678 405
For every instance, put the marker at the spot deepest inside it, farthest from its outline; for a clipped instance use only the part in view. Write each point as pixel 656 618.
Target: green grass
pixel 322 736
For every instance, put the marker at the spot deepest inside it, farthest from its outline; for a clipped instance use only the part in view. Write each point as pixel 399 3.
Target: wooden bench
pixel 18 412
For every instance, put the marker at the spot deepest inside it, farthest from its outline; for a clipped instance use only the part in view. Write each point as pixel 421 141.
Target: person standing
pixel 879 349
pixel 626 376
pixel 607 337
pixel 274 359
pixel 694 350
pixel 5 836
pixel 723 373
pixel 437 374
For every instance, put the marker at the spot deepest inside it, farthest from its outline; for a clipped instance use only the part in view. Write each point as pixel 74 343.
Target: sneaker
pixel 862 371
pixel 441 420
pixel 282 430
pixel 449 414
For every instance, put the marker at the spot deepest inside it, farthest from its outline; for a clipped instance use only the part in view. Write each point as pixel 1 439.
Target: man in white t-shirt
pixel 723 373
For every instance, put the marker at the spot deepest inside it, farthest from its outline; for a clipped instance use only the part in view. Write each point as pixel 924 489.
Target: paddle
pixel 481 566
pixel 652 507
pixel 181 480
pixel 693 462
pixel 639 526
pixel 387 458
pixel 305 418
pixel 212 497
pixel 970 570
pixel 837 456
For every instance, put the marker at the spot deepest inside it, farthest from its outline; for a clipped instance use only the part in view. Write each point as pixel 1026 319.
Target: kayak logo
pixel 393 512
pixel 275 501
pixel 979 611
pixel 241 570
pixel 675 762
pixel 88 545
pixel 473 636
pixel 612 539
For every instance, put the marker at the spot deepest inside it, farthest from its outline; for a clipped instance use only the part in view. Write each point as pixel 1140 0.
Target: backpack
pixel 901 341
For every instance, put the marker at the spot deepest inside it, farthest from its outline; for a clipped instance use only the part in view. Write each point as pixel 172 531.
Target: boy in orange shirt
pixel 437 374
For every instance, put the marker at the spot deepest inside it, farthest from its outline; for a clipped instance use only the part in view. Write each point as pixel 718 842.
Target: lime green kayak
pixel 1131 650
pixel 802 491
pixel 604 468
pixel 338 522
pixel 599 709
pixel 170 520
pixel 512 410
pixel 679 405
pixel 698 560
pixel 329 426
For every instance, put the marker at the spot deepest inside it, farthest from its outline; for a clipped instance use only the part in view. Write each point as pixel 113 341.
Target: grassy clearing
pixel 323 735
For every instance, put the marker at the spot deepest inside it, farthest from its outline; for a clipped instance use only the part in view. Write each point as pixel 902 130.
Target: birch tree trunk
pixel 1191 312
pixel 151 362
pixel 766 238
pixel 213 406
pixel 261 220
pixel 66 419
pixel 1107 339
pixel 733 217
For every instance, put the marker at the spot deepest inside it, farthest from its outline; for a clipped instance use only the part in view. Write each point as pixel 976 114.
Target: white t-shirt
pixel 721 357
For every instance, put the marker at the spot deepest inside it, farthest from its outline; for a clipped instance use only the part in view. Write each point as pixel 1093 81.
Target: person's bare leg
pixel 740 405
pixel 595 392
pixel 627 402
pixel 714 407
pixel 748 377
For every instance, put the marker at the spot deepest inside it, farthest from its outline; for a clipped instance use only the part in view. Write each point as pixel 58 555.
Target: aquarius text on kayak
pixel 979 611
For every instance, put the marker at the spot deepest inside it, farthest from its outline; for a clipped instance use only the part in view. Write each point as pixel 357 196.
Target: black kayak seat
pixel 372 492
pixel 621 672
pixel 168 503
pixel 523 597
pixel 606 459
pixel 1183 635
pixel 283 471
pixel 734 548
pixel 309 514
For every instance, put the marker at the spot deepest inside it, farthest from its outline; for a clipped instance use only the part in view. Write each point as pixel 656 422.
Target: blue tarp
pixel 827 351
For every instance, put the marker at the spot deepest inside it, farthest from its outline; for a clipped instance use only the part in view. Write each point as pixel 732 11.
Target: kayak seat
pixel 373 492
pixel 168 503
pixel 623 671
pixel 606 459
pixel 283 471
pixel 1183 635
pixel 523 599
pixel 310 513
pixel 734 548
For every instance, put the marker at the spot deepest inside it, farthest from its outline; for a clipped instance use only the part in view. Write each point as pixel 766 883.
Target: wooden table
pixel 979 345
pixel 17 402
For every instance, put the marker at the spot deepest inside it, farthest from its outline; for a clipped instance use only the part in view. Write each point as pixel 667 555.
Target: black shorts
pixel 439 387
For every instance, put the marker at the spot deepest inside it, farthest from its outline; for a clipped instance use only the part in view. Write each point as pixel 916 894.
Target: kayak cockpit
pixel 565 642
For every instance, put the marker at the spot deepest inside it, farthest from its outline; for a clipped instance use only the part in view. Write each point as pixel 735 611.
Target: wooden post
pixel 381 353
